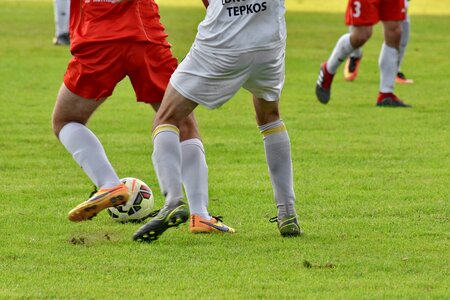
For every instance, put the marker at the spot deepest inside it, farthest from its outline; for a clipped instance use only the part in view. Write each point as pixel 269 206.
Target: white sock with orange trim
pixel 166 159
pixel 278 155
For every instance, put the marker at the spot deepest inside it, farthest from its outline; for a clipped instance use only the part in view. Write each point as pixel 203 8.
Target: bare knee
pixel 176 110
pixel 267 118
pixel 71 108
pixel 266 111
pixel 392 33
pixel 360 35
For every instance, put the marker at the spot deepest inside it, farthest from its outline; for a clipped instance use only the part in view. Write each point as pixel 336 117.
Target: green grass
pixel 372 184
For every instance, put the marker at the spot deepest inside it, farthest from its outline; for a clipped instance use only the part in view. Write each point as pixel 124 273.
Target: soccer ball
pixel 138 207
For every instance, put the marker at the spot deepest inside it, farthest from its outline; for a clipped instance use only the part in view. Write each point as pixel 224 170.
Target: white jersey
pixel 242 25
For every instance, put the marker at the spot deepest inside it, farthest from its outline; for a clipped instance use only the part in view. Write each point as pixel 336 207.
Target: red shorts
pixel 95 69
pixel 369 12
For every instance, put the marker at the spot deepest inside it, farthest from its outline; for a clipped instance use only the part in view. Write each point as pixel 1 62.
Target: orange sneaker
pixel 99 201
pixel 401 79
pixel 198 224
pixel 351 68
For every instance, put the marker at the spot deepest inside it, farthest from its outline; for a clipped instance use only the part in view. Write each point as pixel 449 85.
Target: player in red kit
pixel 354 60
pixel 362 15
pixel 112 39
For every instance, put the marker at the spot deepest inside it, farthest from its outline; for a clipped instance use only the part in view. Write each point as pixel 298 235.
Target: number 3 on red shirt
pixel 356 9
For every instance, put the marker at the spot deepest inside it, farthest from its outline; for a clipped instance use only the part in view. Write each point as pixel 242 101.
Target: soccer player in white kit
pixel 238 44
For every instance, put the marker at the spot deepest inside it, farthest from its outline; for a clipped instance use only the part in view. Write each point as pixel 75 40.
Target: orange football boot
pixel 99 201
pixel 198 224
pixel 401 79
pixel 351 68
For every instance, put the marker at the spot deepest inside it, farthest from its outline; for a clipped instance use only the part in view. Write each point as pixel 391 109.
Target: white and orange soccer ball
pixel 139 207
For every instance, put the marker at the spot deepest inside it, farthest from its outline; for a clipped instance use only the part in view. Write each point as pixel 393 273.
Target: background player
pixel 353 61
pixel 62 12
pixel 237 44
pixel 362 15
pixel 101 58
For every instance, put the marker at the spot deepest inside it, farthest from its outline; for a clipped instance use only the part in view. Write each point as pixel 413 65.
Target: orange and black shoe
pixel 390 100
pixel 99 201
pixel 198 224
pixel 351 68
pixel 401 79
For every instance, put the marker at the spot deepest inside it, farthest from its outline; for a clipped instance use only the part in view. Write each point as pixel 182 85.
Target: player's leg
pixel 401 78
pixel 70 116
pixel 278 155
pixel 406 24
pixel 186 90
pixel 167 163
pixel 392 13
pixel 388 63
pixel 62 13
pixel 352 63
pixel 150 78
pixel 346 44
pixel 79 96
pixel 194 169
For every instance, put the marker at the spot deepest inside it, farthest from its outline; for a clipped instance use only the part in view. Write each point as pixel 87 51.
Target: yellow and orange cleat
pixel 401 79
pixel 351 68
pixel 198 224
pixel 99 201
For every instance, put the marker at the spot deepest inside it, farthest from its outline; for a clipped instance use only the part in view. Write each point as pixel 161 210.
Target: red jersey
pixel 101 20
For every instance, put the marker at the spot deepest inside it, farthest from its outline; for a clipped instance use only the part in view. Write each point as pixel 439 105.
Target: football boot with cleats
pixel 351 68
pixel 323 84
pixel 198 224
pixel 288 226
pixel 98 201
pixel 390 100
pixel 166 218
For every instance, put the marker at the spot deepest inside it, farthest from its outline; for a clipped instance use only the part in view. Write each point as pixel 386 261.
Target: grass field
pixel 373 185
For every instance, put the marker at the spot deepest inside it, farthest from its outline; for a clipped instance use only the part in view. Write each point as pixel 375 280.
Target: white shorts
pixel 211 79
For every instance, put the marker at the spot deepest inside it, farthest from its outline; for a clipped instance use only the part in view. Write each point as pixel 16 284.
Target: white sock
pixel 194 172
pixel 278 155
pixel 167 163
pixel 357 53
pixel 340 52
pixel 388 63
pixel 88 152
pixel 403 42
pixel 62 15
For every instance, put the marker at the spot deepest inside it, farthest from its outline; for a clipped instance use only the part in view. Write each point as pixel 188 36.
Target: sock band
pixel 165 127
pixel 274 130
pixel 271 128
